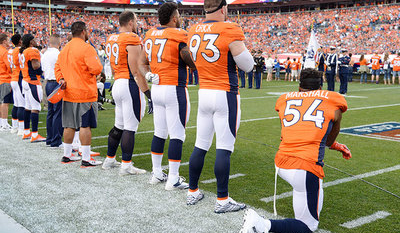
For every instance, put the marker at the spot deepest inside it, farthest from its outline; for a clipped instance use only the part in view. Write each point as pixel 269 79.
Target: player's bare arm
pixel 187 58
pixel 335 128
pixel 144 66
pixel 133 54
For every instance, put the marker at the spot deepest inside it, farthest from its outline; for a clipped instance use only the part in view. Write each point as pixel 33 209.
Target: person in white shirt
pixel 269 64
pixel 54 121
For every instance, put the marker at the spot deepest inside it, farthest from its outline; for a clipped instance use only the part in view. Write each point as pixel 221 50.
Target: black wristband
pixel 148 94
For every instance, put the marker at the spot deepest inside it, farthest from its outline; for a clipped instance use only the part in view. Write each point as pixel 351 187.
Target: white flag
pixel 312 52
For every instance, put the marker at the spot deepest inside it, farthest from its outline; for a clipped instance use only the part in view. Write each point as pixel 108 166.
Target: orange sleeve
pixel 279 102
pixel 340 102
pixel 133 39
pixel 92 61
pixel 7 62
pixel 234 33
pixel 33 54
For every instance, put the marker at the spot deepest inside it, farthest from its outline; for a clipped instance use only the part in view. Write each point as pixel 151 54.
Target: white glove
pixel 154 78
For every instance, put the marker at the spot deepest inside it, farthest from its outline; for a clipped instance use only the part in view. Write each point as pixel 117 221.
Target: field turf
pixel 257 142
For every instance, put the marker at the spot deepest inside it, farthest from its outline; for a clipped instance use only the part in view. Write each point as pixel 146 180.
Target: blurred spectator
pixel 363 69
pixel 386 69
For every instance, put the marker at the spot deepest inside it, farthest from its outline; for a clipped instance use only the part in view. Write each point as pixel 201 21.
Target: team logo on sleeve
pixel 384 131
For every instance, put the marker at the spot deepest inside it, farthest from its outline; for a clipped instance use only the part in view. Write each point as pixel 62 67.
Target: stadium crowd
pixel 361 30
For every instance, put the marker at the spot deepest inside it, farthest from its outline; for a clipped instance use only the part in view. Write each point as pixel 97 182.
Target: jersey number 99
pixel 112 50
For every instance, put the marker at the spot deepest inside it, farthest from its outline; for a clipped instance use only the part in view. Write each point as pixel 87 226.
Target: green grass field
pixel 257 143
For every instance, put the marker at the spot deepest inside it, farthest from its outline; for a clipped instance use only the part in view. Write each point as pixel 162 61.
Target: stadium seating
pixel 360 29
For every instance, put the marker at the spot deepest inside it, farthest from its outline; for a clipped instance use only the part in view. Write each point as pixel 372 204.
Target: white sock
pixel 85 153
pixel 125 165
pixel 156 160
pixel 27 131
pixel 21 125
pixel 14 124
pixel 223 202
pixel 173 169
pixel 67 150
pixel 3 121
pixel 34 134
pixel 194 193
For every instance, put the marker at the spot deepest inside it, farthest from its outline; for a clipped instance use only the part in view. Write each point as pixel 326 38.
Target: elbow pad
pixel 244 61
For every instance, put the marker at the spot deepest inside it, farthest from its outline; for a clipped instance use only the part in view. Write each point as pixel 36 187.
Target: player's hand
pixel 150 111
pixel 63 84
pixel 342 148
pixel 154 78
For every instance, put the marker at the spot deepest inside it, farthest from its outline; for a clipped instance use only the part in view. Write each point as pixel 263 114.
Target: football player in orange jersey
pixel 5 78
pixel 396 68
pixel 123 50
pixel 217 47
pixel 167 54
pixel 29 62
pixel 317 114
pixel 16 84
pixel 376 67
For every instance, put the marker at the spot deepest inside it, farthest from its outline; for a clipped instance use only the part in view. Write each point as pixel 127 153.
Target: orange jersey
pixel 13 56
pixel 396 64
pixel 363 62
pixel 376 62
pixel 306 121
pixel 116 51
pixel 294 65
pixel 78 64
pixel 209 46
pixel 25 63
pixel 5 68
pixel 162 46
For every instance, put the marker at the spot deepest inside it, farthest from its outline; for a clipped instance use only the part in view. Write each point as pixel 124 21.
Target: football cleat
pixel 6 127
pixel 230 206
pixel 20 132
pixel 90 163
pixel 26 136
pixel 179 184
pixel 92 153
pixel 110 163
pixel 38 138
pixel 71 159
pixel 252 222
pixel 14 130
pixel 158 179
pixel 192 199
pixel 130 170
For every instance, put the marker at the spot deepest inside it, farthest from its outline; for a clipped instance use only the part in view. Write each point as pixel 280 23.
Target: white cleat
pixel 174 184
pixel 252 222
pixel 158 179
pixel 230 206
pixel 192 199
pixel 20 132
pixel 110 163
pixel 14 130
pixel 130 170
pixel 91 163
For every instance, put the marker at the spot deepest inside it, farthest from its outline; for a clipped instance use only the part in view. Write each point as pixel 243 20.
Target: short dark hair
pixel 26 42
pixel 166 11
pixel 310 79
pixel 77 28
pixel 15 39
pixel 3 37
pixel 125 17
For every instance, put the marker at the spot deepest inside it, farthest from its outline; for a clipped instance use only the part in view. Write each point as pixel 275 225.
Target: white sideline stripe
pixel 364 220
pixel 264 118
pixel 378 106
pixel 215 180
pixel 374 89
pixel 336 182
pixel 8 224
pixel 167 166
pixel 141 154
pixel 99 147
